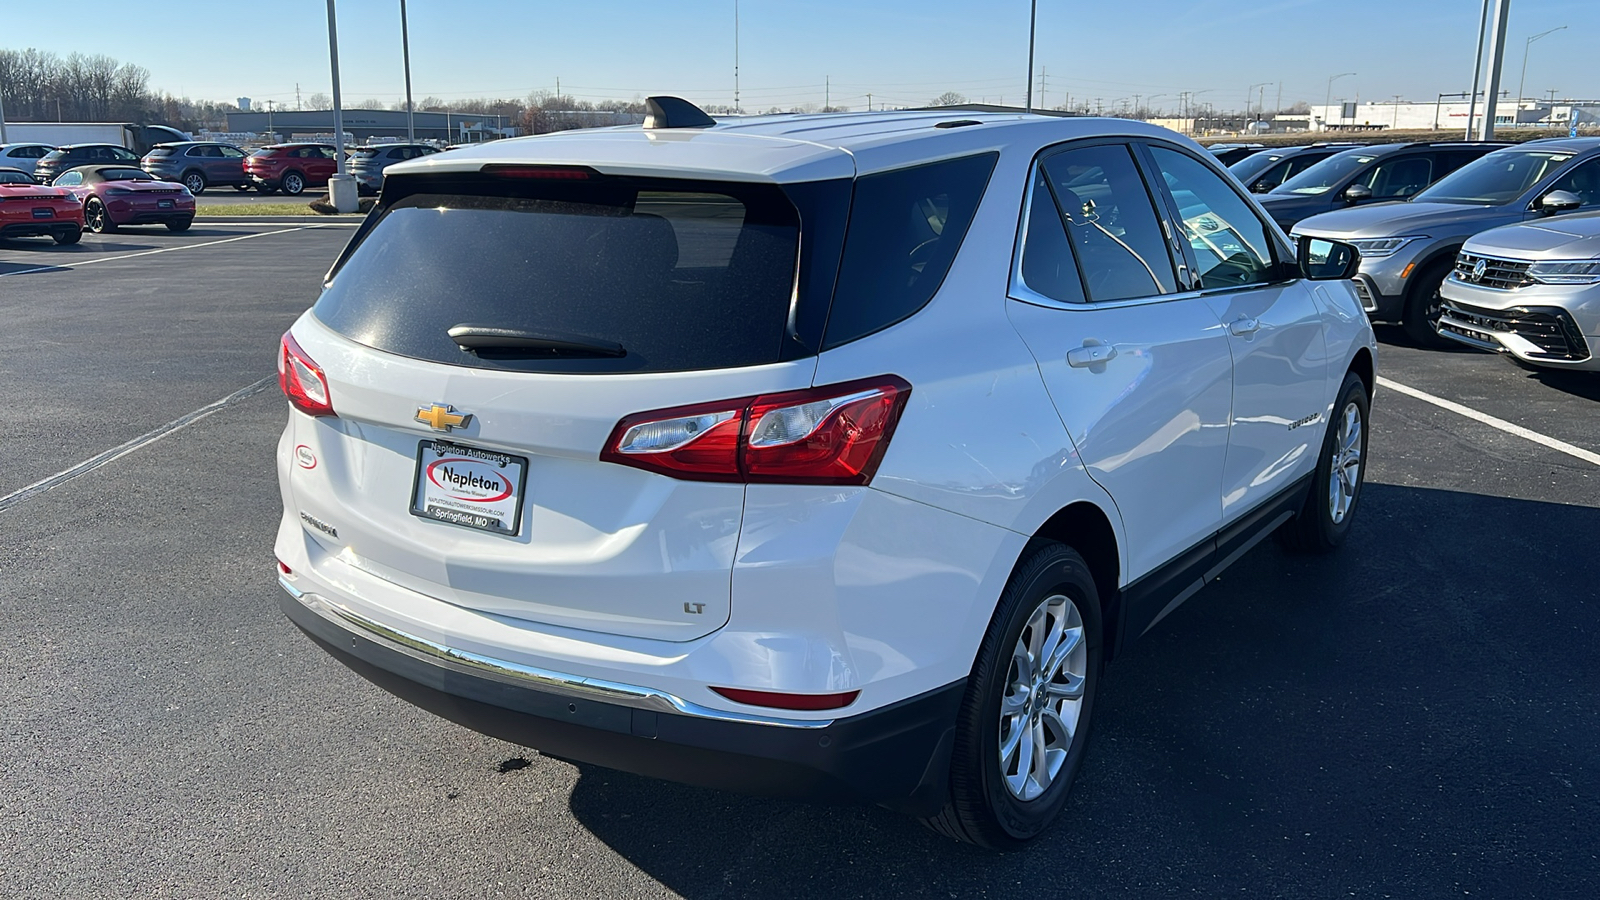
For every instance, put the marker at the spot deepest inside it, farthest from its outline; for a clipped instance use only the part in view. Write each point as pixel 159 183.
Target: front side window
pixel 1583 181
pixel 905 228
pixel 1398 178
pixel 1230 243
pixel 1110 222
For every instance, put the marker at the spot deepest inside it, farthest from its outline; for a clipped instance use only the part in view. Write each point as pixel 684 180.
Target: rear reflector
pixel 284 569
pixel 835 434
pixel 302 380
pixel 774 700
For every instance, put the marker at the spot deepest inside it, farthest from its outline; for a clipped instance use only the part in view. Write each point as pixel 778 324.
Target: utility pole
pixel 1396 122
pixel 1033 20
pixel 297 106
pixel 2 115
pixel 736 55
pixel 869 102
pixel 270 133
pixel 405 52
pixel 1497 52
pixel 1327 99
pixel 1043 84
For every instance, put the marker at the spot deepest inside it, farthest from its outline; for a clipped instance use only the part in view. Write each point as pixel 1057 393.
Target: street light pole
pixel 341 187
pixel 1327 99
pixel 2 114
pixel 1033 19
pixel 1497 53
pixel 405 51
pixel 1523 83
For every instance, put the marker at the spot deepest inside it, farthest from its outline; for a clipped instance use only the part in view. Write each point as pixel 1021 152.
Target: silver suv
pixel 1408 248
pixel 1531 292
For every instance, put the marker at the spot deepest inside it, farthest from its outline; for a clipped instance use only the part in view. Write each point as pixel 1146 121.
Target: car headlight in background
pixel 1566 271
pixel 1375 247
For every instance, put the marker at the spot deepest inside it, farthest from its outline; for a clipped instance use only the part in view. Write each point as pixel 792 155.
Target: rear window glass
pixel 905 228
pixel 160 151
pixel 363 153
pixel 682 275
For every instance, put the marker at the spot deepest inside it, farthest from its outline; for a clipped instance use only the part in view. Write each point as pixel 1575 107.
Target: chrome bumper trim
pixel 518 675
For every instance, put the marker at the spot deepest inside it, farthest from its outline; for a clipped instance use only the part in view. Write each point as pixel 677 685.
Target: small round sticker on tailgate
pixel 304 457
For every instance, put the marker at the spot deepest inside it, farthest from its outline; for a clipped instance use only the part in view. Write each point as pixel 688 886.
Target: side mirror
pixel 1559 202
pixel 1324 260
pixel 1357 193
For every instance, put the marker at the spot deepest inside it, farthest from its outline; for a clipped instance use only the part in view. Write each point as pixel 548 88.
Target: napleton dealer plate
pixel 469 486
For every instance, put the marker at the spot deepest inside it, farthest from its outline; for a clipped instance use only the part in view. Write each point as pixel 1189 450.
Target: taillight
pixel 302 380
pixel 828 435
pixel 775 700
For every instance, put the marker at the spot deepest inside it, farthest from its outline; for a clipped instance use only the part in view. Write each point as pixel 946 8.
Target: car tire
pixel 97 219
pixel 182 225
pixel 195 182
pixel 1420 317
pixel 293 183
pixel 68 237
pixel 1323 522
pixel 996 798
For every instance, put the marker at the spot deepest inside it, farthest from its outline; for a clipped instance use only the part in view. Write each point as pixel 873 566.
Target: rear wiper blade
pixel 518 341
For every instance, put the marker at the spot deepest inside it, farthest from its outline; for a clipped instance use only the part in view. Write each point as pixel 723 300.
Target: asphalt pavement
pixel 1410 717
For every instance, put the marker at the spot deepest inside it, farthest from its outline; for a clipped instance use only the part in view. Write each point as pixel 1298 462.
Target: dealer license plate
pixel 163 204
pixel 468 486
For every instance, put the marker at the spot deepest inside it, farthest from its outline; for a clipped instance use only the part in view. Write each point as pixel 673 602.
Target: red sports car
pixel 30 209
pixel 117 195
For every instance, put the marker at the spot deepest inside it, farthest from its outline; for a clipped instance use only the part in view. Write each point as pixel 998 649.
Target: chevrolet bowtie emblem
pixel 442 418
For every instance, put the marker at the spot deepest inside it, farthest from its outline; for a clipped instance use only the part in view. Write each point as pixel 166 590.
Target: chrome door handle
pixel 1242 327
pixel 1090 354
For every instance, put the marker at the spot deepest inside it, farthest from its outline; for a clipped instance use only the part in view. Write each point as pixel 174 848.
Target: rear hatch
pixel 576 299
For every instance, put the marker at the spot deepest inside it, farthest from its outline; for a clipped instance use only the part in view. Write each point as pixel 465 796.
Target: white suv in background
pixel 819 456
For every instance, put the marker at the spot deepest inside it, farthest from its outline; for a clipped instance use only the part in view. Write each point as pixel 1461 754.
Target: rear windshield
pixel 160 151
pixel 15 178
pixel 364 152
pixel 125 175
pixel 1497 178
pixel 682 275
pixel 265 151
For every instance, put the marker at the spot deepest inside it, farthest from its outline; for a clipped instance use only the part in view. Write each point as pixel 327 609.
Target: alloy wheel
pixel 1344 476
pixel 1043 697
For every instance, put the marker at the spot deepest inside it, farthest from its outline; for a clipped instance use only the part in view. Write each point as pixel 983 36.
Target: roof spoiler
pixel 674 112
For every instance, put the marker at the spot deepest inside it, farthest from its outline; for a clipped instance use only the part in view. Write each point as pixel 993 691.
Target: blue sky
pixel 904 52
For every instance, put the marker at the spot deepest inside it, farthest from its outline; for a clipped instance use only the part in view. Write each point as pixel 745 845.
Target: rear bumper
pixel 896 755
pixel 155 218
pixel 39 227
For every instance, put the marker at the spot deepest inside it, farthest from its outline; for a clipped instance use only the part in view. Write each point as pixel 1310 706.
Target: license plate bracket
pixel 469 487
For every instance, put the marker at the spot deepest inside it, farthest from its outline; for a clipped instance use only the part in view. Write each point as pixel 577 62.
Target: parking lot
pixel 1410 717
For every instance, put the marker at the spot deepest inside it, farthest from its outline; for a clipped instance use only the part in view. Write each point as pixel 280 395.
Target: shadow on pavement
pixel 1411 716
pixel 1578 384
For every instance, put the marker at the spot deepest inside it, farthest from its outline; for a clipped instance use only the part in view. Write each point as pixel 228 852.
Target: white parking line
pixel 90 262
pixel 1526 434
pixel 52 482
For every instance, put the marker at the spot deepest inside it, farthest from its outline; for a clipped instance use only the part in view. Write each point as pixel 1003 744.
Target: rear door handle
pixel 1090 354
pixel 1242 327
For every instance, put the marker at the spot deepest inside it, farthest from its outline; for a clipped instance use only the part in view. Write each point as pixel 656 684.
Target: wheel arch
pixel 1365 369
pixel 1446 252
pixel 1087 528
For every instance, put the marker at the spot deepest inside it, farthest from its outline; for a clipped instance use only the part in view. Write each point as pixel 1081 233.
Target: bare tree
pixel 948 98
pixel 319 100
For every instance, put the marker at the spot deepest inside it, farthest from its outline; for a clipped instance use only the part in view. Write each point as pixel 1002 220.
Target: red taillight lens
pixel 302 380
pixel 774 700
pixel 829 435
pixel 283 568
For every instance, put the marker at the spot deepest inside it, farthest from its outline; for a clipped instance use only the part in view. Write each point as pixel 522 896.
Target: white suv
pixel 807 455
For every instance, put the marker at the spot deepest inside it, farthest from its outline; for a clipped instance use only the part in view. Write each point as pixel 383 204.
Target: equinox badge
pixel 442 417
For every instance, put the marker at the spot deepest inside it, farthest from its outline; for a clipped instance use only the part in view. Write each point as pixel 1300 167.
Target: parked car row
pixel 99 198
pixel 1411 246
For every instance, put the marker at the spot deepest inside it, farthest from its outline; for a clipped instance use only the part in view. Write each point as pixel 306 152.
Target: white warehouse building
pixel 1450 115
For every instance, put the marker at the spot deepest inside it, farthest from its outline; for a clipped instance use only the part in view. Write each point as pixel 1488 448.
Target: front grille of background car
pixel 1500 274
pixel 1550 328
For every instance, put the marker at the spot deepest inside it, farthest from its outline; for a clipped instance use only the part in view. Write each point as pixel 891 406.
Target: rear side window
pixel 682 275
pixel 1397 178
pixel 905 228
